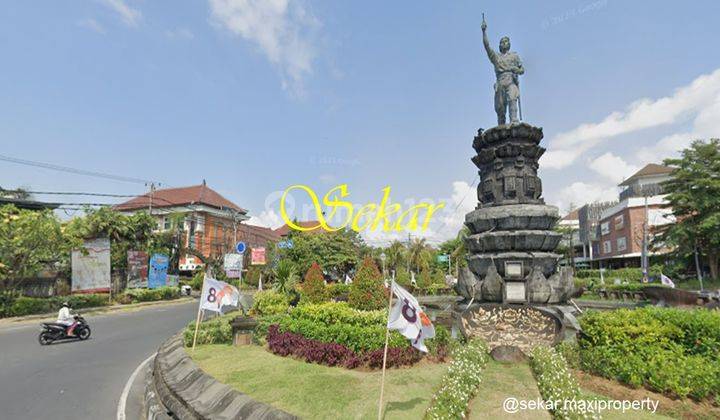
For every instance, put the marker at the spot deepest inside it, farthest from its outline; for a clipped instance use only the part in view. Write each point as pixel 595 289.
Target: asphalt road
pixel 81 380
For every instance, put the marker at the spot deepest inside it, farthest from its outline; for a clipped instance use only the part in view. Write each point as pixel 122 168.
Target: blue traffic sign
pixel 240 247
pixel 285 244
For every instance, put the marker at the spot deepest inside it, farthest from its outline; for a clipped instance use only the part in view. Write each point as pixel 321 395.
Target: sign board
pixel 442 258
pixel 233 264
pixel 173 280
pixel 157 276
pixel 137 266
pixel 240 247
pixel 514 269
pixel 257 256
pixel 285 244
pixel 91 267
pixel 514 292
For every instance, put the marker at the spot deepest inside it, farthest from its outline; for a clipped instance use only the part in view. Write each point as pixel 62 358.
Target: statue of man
pixel 507 69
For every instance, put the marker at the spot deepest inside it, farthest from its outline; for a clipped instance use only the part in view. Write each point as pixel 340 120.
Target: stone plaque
pixel 515 291
pixel 514 269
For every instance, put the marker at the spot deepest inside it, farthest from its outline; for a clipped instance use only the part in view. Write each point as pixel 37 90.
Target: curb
pixel 186 392
pixel 97 309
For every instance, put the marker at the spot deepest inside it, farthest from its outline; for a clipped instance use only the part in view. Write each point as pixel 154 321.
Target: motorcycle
pixel 52 331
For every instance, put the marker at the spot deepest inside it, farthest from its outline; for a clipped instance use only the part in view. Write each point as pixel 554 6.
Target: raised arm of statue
pixel 492 55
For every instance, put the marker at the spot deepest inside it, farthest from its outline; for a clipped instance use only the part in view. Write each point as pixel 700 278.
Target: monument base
pixel 521 326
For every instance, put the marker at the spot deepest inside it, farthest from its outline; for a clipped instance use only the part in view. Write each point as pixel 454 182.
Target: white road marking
pixel 128 385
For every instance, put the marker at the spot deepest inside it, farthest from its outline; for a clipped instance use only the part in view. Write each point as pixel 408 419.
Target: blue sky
pixel 256 96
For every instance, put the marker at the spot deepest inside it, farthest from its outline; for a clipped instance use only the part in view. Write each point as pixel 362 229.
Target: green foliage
pixel 667 350
pixel 339 323
pixel 269 302
pixel 460 383
pixel 570 352
pixel 631 275
pixel 556 383
pixel 29 242
pixel 313 287
pixel 149 295
pixel 338 252
pixel 285 274
pixel 197 281
pixel 214 331
pixel 692 195
pixel 14 305
pixel 367 292
pixel 338 290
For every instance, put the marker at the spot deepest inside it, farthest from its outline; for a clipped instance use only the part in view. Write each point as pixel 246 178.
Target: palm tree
pixel 395 255
pixel 286 277
pixel 419 254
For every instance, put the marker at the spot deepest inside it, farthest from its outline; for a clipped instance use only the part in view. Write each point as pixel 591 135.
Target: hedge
pixel 14 305
pixel 214 331
pixel 672 351
pixel 624 274
pixel 149 295
pixel 269 302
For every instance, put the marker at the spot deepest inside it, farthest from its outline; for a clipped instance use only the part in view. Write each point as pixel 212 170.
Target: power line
pixel 70 193
pixel 76 171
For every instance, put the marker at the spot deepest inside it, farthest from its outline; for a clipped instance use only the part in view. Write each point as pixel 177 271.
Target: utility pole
pixel 698 268
pixel 152 192
pixel 644 258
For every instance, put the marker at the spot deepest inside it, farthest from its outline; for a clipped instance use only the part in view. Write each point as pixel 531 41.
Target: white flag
pixel 348 280
pixel 216 294
pixel 665 280
pixel 408 318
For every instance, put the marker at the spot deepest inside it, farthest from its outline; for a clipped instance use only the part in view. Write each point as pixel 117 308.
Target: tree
pixel 313 288
pixel 693 193
pixel 367 291
pixel 337 251
pixel 419 255
pixel 395 256
pixel 286 277
pixel 29 242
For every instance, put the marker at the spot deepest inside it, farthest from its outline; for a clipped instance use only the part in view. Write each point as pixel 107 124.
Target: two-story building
pixel 211 224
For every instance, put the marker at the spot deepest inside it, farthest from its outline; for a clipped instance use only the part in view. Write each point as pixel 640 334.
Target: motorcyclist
pixel 65 318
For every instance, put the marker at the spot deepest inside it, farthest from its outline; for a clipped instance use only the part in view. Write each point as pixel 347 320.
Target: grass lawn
pixel 319 392
pixel 503 380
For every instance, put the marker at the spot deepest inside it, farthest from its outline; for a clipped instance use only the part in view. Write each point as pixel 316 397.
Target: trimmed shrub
pixel 673 351
pixel 269 303
pixel 149 295
pixel 460 382
pixel 15 305
pixel 338 291
pixel 367 292
pixel 213 331
pixel 556 383
pixel 313 287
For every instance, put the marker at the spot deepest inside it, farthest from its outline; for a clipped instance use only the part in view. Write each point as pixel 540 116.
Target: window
pixel 607 247
pixel 621 244
pixel 620 222
pixel 605 228
pixel 167 223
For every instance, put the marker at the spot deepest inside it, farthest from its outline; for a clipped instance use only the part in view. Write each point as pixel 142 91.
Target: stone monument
pixel 513 289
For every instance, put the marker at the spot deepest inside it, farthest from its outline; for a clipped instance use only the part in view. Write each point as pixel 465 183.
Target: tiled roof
pixel 285 229
pixel 257 235
pixel 648 170
pixel 573 215
pixel 183 196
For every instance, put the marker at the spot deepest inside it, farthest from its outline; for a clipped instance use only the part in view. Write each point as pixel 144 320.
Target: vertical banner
pixel 91 267
pixel 158 271
pixel 233 264
pixel 257 256
pixel 137 266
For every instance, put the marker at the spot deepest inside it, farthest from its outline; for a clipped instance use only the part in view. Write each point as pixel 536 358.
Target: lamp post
pixel 382 258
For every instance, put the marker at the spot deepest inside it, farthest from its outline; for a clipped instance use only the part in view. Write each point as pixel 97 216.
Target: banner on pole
pixel 91 267
pixel 157 276
pixel 137 263
pixel 217 294
pixel 409 319
pixel 257 256
pixel 233 265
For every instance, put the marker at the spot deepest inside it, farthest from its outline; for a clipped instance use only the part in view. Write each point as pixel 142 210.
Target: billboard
pixel 233 265
pixel 258 256
pixel 137 269
pixel 157 276
pixel 91 267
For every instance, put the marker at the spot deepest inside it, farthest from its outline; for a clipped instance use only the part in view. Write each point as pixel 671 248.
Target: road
pixel 81 380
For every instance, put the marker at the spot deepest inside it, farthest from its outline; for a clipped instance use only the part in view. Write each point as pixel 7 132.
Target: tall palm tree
pixel 419 254
pixel 395 255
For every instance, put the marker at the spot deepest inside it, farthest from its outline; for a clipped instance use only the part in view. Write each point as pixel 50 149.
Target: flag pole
pixel 387 340
pixel 199 314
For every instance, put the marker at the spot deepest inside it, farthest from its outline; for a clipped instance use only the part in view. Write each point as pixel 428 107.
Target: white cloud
pixel 268 218
pixel 641 114
pixel 180 33
pixel 93 25
pixel 129 15
pixel 281 28
pixel 327 178
pixel 580 193
pixel 612 168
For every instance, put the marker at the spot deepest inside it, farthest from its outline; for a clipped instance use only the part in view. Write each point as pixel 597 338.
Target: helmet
pixel 65 304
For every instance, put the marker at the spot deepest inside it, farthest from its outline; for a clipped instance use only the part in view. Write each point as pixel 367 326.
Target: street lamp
pixel 382 258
